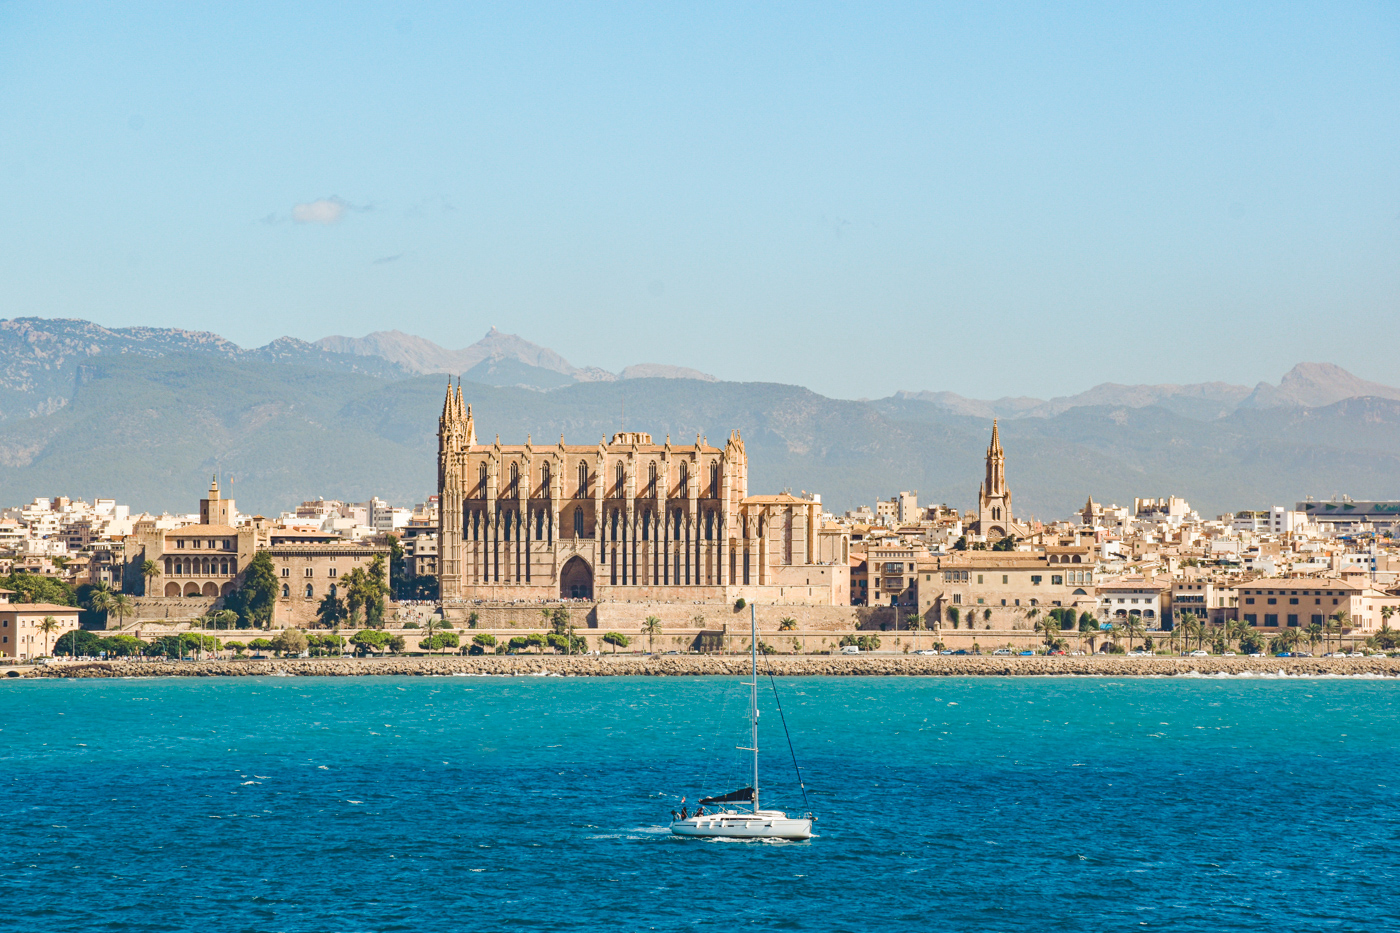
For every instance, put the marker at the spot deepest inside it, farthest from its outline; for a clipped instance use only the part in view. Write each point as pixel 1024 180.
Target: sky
pixel 992 199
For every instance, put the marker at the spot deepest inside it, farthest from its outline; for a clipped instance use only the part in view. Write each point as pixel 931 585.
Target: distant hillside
pixel 1307 385
pixel 497 359
pixel 149 430
pixel 39 357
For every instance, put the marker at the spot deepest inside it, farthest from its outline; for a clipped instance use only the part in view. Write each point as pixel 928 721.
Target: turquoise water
pixel 541 803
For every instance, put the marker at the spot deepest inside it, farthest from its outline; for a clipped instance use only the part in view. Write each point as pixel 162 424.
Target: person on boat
pixel 700 812
pixel 683 813
pixel 675 816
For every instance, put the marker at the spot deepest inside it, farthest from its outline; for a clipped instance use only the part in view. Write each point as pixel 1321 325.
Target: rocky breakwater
pixel 730 665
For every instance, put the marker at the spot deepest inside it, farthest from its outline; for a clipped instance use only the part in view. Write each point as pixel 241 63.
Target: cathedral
pixel 626 519
pixel 994 520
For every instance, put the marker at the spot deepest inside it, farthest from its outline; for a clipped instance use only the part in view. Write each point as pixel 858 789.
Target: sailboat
pixel 753 822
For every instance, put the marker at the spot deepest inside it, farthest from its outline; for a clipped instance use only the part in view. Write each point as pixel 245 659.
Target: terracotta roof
pixel 36 607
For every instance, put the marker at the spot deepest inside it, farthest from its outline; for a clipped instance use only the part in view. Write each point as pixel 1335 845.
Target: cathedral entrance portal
pixel 576 579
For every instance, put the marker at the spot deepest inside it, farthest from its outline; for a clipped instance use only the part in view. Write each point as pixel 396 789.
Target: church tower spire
pixel 996 465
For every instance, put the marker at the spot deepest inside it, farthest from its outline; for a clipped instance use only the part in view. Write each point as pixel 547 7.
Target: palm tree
pixel 430 625
pixel 1132 627
pixel 1338 622
pixel 121 604
pixel 1188 625
pixel 1050 627
pixel 100 599
pixel 47 627
pixel 149 571
pixel 652 627
pixel 1314 634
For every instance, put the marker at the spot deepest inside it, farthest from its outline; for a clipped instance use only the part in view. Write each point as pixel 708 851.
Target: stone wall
pixel 689 665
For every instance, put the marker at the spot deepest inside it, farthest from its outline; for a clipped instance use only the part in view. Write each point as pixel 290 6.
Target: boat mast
pixel 753 697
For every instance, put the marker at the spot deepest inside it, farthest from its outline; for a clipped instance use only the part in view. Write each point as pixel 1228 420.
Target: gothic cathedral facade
pixel 626 519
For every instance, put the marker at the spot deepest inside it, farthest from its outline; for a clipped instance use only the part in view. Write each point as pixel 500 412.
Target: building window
pixel 310 572
pixel 544 475
pixel 1292 619
pixel 578 523
pixel 481 480
pixel 286 591
pixel 515 479
pixel 714 480
pixel 619 474
pixel 331 573
pixel 582 480
pixel 180 544
pixel 979 578
pixel 1251 619
pixel 1004 579
pixel 1035 579
pixel 1270 618
pixel 286 571
pixel 685 478
pixel 309 592
pixel 1057 579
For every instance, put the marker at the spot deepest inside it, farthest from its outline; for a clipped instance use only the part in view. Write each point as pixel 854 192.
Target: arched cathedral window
pixel 582 480
pixel 515 479
pixel 481 480
pixel 544 475
pixel 685 478
pixel 651 478
pixel 578 523
pixel 714 480
pixel 619 473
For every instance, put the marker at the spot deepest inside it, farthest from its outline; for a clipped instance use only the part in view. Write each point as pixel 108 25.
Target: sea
pixel 542 803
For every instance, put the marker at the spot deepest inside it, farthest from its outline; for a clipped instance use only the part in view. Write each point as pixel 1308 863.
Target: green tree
pixel 439 641
pixel 149 571
pixel 1337 624
pixel 122 646
pixel 258 595
pixel 1049 626
pixel 37 588
pixel 473 618
pixel 330 612
pixel 121 604
pixel 652 627
pixel 481 642
pixel 260 644
pixel 986 615
pixel 368 641
pixel 290 641
pixel 77 642
pixel 617 640
pixel 953 615
pixel 787 624
pixel 1005 544
pixel 48 626
pixel 1132 627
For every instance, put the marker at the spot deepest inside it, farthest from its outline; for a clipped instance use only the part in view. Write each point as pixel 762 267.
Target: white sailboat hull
pixel 765 824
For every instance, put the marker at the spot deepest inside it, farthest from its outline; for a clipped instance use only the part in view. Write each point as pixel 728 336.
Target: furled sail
pixel 745 793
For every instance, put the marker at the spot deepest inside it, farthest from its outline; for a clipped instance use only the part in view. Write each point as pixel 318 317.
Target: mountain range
pixel 146 414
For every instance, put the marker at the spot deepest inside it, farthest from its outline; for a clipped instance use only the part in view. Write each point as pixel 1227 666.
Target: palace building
pixel 626 520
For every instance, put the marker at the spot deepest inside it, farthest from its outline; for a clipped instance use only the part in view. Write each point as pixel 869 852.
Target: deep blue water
pixel 540 803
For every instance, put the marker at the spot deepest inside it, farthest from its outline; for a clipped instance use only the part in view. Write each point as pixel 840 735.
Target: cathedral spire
pixel 995 447
pixel 447 403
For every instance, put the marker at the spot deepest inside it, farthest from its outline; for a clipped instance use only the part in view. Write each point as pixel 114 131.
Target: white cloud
pixel 323 211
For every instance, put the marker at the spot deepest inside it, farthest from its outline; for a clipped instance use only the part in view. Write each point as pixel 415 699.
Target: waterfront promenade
pixel 633 665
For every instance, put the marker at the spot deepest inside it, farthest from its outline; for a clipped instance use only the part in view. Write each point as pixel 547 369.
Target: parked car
pixel 850 649
pixel 1027 654
pixel 1200 653
pixel 960 651
pixel 926 651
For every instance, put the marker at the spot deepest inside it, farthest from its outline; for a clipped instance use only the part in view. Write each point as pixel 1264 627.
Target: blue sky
pixel 987 198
